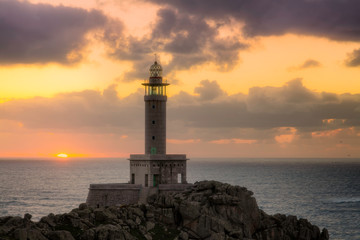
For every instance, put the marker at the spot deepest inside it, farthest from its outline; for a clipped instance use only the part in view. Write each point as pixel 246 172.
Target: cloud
pixel 265 115
pixel 193 41
pixel 41 33
pixel 233 140
pixel 209 90
pixel 291 105
pixel 189 40
pixel 333 19
pixel 288 135
pixel 310 63
pixel 292 97
pixel 77 111
pixel 353 59
pixel 183 141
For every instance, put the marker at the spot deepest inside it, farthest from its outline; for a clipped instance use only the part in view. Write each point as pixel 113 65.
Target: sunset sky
pixel 256 78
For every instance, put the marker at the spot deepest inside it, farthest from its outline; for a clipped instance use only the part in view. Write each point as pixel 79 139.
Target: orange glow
pixel 234 140
pixel 35 96
pixel 285 138
pixel 288 136
pixel 333 121
pixel 334 133
pixel 180 141
pixel 62 155
pixel 330 133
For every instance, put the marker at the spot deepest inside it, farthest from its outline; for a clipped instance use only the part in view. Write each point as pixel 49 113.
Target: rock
pixel 148 236
pixel 20 234
pixel 104 232
pixel 183 236
pixel 208 210
pixel 137 212
pixel 324 234
pixel 9 224
pixel 149 225
pixel 60 235
pixel 104 215
pixel 35 234
pixel 88 235
pixel 83 206
pixel 190 210
pixel 137 220
pixel 27 216
pixel 49 220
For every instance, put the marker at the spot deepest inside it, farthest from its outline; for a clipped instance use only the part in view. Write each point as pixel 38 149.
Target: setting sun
pixel 62 155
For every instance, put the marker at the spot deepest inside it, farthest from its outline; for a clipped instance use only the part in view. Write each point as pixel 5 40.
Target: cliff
pixel 208 210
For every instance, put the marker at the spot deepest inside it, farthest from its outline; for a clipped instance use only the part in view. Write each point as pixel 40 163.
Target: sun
pixel 62 155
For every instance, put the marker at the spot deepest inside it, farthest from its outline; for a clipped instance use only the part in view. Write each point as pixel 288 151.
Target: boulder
pixel 208 210
pixel 60 235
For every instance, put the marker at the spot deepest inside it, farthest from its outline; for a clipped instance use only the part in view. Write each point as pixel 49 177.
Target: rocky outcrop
pixel 208 210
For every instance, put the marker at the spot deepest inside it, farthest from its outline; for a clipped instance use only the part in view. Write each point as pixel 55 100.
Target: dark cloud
pixel 190 40
pixel 189 31
pixel 193 41
pixel 187 34
pixel 353 59
pixel 41 33
pixel 333 19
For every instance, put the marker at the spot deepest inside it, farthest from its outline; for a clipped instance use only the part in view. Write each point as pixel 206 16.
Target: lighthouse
pixel 155 171
pixel 156 167
pixel 155 111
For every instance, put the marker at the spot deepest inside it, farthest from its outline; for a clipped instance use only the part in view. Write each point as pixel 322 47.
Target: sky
pixel 249 79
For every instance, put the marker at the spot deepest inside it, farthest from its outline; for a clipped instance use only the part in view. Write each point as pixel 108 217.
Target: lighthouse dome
pixel 155 70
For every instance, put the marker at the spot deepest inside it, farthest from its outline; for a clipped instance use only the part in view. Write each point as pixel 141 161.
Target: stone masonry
pixel 152 172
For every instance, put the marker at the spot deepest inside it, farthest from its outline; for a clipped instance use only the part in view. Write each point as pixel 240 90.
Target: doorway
pixel 133 178
pixel 156 180
pixel 146 180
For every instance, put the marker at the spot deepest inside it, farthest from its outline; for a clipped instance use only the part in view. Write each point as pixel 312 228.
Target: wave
pixel 346 200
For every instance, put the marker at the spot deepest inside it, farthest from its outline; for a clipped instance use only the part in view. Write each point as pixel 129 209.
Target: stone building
pixel 151 172
pixel 155 166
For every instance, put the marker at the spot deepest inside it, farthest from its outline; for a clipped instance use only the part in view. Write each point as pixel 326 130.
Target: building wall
pixel 101 195
pixel 167 170
pixel 139 168
pixel 155 124
pixel 116 194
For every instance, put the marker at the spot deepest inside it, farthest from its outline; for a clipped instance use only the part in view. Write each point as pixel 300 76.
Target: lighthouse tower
pixel 152 172
pixel 155 167
pixel 155 111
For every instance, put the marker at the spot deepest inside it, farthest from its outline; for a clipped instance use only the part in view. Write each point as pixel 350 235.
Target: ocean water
pixel 325 191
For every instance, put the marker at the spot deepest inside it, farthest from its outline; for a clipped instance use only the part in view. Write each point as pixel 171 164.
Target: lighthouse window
pixel 153 137
pixel 153 122
pixel 153 150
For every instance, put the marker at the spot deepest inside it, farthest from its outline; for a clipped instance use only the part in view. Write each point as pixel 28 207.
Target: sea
pixel 324 191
